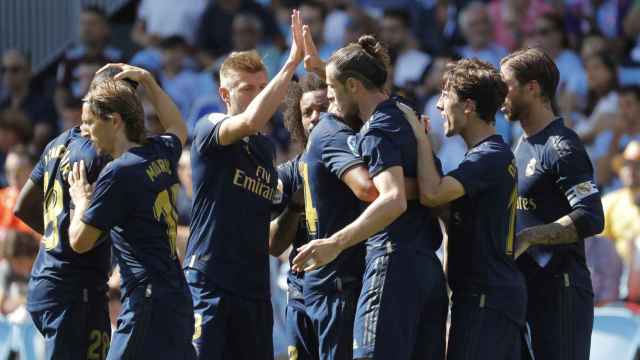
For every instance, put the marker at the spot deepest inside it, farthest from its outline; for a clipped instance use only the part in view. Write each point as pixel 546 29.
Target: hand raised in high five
pixel 312 61
pixel 296 53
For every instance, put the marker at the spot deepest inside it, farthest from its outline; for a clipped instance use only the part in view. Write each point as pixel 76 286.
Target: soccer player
pixel 135 197
pixel 489 294
pixel 558 206
pixel 402 307
pixel 234 184
pixel 305 101
pixel 67 295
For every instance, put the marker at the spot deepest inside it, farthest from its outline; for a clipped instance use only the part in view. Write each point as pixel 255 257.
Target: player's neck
pixel 121 146
pixel 536 119
pixel 368 104
pixel 476 131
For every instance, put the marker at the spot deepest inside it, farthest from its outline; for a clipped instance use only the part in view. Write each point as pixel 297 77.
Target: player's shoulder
pixel 206 122
pixel 561 140
pixel 494 149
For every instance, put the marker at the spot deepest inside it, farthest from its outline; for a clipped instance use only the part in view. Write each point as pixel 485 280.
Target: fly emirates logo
pixel 258 184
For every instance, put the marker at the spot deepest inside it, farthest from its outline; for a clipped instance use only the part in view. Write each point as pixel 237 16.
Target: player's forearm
pixel 168 113
pixel 77 242
pixel 381 213
pixel 428 177
pixel 282 231
pixel 262 108
pixel 560 232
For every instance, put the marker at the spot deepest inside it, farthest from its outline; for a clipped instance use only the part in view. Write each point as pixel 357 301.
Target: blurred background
pixel 50 50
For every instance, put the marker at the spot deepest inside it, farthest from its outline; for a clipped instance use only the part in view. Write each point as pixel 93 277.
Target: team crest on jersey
pixel 352 142
pixel 531 167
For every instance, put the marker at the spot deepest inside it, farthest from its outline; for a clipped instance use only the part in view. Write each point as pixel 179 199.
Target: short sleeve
pixel 336 154
pixel 378 151
pixel 479 171
pixel 108 203
pixel 173 145
pixel 205 139
pixel 37 174
pixel 288 184
pixel 572 169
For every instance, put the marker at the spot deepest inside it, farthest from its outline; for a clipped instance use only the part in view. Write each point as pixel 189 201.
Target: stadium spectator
pixel 213 31
pixel 408 63
pixel 478 33
pixel 606 267
pixel 550 33
pixel 622 207
pixel 15 129
pixel 18 167
pixel 159 19
pixel 314 14
pixel 92 47
pixel 602 104
pixel 71 113
pixel 39 110
pixel 443 32
pixel 17 253
pixel 247 33
pixel 513 20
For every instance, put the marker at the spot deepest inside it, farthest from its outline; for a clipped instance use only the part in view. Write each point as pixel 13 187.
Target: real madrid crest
pixel 531 167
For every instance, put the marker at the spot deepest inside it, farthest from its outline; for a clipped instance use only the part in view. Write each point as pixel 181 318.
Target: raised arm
pixel 263 106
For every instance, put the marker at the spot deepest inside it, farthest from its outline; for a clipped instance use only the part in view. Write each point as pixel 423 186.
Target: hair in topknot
pixel 366 60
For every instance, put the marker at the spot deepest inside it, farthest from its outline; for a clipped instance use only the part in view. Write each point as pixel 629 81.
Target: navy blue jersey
pixel 290 178
pixel 555 177
pixel 482 229
pixel 233 190
pixel 387 140
pixel 329 203
pixel 59 274
pixel 135 196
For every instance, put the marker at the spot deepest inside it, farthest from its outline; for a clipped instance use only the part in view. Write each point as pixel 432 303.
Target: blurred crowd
pixel 596 46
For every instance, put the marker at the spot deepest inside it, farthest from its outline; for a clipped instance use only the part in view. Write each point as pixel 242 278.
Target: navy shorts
pixel 301 340
pixel 228 326
pixel 78 331
pixel 332 315
pixel 154 326
pixel 402 309
pixel 561 318
pixel 478 332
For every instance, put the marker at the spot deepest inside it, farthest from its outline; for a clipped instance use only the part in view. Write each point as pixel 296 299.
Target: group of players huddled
pixel 362 207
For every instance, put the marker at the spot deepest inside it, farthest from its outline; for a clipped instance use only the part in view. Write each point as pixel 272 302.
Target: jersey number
pixel 53 207
pixel 98 345
pixel 309 210
pixel 164 210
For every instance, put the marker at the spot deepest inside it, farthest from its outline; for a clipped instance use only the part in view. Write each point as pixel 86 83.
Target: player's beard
pixel 512 110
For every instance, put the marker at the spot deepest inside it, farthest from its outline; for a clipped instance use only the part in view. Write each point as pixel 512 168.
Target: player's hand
pixel 79 188
pixel 296 53
pixel 420 125
pixel 129 72
pixel 524 240
pixel 315 254
pixel 312 61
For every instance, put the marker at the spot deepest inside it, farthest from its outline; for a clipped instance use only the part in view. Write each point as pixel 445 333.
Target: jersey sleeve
pixel 479 171
pixel 379 151
pixel 288 183
pixel 173 145
pixel 205 139
pixel 573 174
pixel 109 201
pixel 37 174
pixel 336 154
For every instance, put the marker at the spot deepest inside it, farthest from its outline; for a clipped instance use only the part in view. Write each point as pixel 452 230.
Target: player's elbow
pixel 397 205
pixel 430 199
pixel 78 243
pixel 367 192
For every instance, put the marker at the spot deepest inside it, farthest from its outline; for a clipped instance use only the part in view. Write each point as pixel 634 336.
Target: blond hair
pixel 240 61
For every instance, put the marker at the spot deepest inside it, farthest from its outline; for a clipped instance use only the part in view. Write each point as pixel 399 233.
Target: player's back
pixel 60 275
pixel 386 140
pixel 233 190
pixel 143 210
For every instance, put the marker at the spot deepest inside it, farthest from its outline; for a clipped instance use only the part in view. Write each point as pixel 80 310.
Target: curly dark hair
pixel 292 112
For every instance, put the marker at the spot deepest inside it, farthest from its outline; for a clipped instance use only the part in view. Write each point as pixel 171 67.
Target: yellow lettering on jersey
pixel 254 185
pixel 54 153
pixel 157 167
pixel 526 204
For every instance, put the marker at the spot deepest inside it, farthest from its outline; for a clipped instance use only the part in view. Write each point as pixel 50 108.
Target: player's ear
pixel 469 107
pixel 352 85
pixel 224 94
